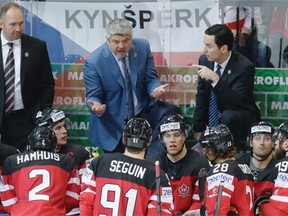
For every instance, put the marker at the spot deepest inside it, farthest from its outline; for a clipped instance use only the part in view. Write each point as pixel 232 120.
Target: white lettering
pixel 37 155
pixel 77 101
pixel 125 167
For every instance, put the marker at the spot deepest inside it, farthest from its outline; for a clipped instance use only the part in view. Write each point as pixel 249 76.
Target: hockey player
pixel 5 151
pixel 182 165
pixel 124 184
pixel 39 182
pixel 281 141
pixel 57 120
pixel 229 184
pixel 278 203
pixel 261 160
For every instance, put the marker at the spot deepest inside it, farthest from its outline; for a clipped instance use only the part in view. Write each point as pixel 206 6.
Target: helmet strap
pixel 262 158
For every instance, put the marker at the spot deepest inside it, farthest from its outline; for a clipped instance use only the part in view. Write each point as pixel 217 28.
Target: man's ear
pixel 250 142
pixel 224 48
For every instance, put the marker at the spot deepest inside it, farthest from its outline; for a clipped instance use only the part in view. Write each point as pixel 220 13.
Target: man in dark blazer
pixel 34 82
pixel 233 88
pixel 106 91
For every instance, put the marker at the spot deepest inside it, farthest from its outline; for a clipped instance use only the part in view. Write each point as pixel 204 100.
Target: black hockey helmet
pixel 281 133
pixel 42 138
pixel 261 127
pixel 49 117
pixel 137 133
pixel 173 123
pixel 218 138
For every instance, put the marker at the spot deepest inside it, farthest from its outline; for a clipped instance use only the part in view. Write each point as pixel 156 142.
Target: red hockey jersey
pixel 183 176
pixel 5 151
pixel 263 180
pixel 238 188
pixel 115 184
pixel 278 204
pixel 39 183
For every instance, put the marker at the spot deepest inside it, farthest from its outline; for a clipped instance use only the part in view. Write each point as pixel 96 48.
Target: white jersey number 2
pixel 34 193
pixel 131 196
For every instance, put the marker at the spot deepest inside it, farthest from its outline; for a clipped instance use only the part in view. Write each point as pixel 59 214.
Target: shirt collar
pixel 5 41
pixel 223 64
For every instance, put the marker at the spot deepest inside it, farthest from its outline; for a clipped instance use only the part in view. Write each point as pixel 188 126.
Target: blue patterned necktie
pixel 128 87
pixel 9 76
pixel 213 106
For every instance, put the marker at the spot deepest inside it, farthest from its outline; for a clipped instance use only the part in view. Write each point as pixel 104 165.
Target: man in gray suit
pixel 107 93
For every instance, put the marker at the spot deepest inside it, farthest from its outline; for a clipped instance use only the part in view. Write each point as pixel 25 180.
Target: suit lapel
pixel 110 61
pixel 112 66
pixel 229 68
pixel 133 59
pixel 1 69
pixel 1 59
pixel 24 58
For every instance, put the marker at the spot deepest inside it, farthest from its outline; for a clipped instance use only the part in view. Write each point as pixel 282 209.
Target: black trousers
pixel 16 127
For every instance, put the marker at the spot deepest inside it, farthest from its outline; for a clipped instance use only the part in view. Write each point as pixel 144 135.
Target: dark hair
pixel 223 35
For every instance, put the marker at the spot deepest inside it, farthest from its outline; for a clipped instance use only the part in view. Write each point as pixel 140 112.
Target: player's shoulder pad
pixel 245 168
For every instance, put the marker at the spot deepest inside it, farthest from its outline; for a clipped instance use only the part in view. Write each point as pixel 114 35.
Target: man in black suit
pixel 233 86
pixel 33 79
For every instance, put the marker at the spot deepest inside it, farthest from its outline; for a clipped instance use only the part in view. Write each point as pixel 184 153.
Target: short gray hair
pixel 5 7
pixel 119 26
